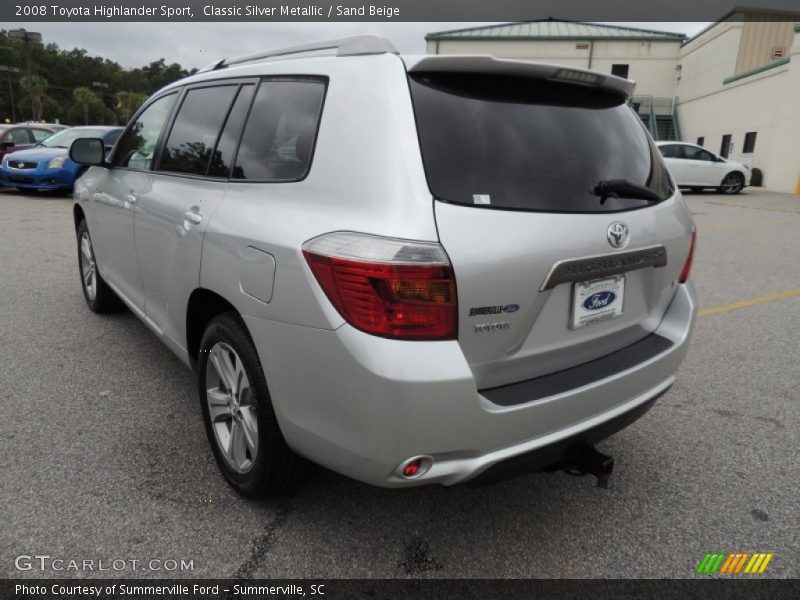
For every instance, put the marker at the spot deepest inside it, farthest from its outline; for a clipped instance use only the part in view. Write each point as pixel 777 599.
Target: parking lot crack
pixel 261 545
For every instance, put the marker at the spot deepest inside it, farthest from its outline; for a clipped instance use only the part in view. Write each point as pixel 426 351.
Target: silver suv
pixel 408 269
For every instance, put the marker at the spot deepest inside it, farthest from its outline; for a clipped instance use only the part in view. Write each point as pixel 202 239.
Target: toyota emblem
pixel 618 234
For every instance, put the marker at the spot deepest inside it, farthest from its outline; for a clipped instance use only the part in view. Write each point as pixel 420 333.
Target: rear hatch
pixel 566 235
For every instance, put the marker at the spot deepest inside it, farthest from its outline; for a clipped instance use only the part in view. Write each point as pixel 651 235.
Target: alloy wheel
pixel 231 407
pixel 731 184
pixel 88 266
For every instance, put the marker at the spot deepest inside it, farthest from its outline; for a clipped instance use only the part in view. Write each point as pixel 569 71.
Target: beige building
pixel 733 88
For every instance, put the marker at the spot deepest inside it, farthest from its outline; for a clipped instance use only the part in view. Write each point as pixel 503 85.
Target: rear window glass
pixel 512 143
pixel 279 136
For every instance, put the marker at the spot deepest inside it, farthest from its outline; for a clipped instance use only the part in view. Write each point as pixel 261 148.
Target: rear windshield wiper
pixel 622 188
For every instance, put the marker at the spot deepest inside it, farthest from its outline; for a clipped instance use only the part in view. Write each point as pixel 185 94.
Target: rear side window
pixel 522 144
pixel 195 130
pixel 18 136
pixel 671 151
pixel 695 153
pixel 222 159
pixel 279 136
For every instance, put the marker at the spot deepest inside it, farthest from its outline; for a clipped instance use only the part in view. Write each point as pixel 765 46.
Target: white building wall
pixel 767 103
pixel 708 59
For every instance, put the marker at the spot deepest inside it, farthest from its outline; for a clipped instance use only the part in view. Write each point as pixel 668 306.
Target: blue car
pixel 47 166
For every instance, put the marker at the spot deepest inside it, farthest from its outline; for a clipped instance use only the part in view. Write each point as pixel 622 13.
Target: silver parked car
pixel 410 270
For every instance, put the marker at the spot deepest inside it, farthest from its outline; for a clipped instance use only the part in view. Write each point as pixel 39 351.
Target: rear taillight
pixel 687 266
pixel 387 287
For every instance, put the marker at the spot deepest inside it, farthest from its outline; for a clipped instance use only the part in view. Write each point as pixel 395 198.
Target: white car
pixel 696 168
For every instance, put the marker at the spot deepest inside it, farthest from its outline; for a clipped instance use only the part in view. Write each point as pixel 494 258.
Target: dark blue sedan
pixel 47 166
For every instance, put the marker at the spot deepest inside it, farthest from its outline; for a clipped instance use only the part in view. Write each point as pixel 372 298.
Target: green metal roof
pixel 554 29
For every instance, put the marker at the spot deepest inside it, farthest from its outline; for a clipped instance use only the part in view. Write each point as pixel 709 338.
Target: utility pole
pixel 101 86
pixel 10 70
pixel 27 37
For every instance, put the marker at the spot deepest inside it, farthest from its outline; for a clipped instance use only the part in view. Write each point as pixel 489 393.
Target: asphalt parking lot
pixel 103 453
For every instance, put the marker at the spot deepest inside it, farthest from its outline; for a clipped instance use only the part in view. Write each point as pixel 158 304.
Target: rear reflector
pixel 387 287
pixel 412 468
pixel 687 266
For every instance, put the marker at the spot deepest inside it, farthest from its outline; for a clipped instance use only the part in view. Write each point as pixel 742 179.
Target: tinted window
pixel 112 138
pixel 40 134
pixel 725 147
pixel 701 140
pixel 502 142
pixel 749 142
pixel 279 135
pixel 18 136
pixel 671 151
pixel 620 70
pixel 695 153
pixel 195 130
pixel 222 160
pixel 137 147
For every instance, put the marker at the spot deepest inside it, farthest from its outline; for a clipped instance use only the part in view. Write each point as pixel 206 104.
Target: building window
pixel 620 70
pixel 749 142
pixel 725 148
pixel 700 140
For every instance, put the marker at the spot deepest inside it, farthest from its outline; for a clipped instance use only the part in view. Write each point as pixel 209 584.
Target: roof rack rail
pixel 349 46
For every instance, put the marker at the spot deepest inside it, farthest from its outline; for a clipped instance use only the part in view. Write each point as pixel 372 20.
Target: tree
pixel 128 103
pixel 35 91
pixel 85 99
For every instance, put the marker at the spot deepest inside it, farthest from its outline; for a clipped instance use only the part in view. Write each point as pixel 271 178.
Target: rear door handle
pixel 193 217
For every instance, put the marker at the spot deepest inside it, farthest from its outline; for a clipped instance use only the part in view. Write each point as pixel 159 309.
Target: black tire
pixel 276 469
pixel 103 299
pixel 732 183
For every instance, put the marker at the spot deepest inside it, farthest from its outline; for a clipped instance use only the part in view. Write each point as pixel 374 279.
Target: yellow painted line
pixel 707 312
pixel 766 562
pixel 753 562
pixel 748 225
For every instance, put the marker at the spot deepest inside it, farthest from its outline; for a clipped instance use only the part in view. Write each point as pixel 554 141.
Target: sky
pixel 198 44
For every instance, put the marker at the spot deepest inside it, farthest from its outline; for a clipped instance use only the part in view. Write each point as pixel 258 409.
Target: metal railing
pixel 349 46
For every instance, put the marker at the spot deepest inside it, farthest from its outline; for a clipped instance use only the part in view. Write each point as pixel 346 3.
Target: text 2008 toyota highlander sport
pixel 408 269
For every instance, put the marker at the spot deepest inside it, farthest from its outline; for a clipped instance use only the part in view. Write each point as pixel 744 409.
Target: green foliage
pixel 128 103
pixel 64 71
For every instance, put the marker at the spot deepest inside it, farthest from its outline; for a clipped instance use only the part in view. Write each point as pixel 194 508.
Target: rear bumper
pixel 362 405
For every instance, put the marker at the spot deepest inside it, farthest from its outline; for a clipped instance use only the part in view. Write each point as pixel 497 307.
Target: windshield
pixel 64 139
pixel 506 142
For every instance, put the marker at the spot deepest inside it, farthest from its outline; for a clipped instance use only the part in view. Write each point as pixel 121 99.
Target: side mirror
pixel 6 145
pixel 88 151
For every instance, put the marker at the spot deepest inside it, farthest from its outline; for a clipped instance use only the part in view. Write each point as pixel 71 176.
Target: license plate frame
pixel 597 301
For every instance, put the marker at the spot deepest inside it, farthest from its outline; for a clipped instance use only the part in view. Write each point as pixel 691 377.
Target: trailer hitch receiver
pixel 587 460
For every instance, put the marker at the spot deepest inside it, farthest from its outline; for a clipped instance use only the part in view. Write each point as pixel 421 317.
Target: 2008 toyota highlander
pixel 408 269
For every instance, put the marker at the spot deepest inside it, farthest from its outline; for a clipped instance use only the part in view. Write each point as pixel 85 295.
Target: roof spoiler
pixel 484 63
